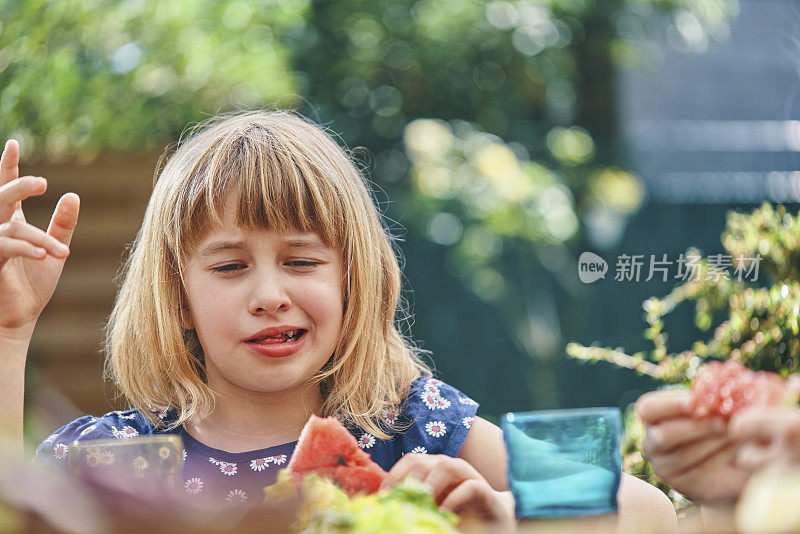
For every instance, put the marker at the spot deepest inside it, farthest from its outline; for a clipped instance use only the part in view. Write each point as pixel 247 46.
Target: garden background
pixel 502 138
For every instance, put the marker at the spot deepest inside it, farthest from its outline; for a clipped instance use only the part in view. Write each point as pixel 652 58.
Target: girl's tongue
pixel 272 339
pixel 282 338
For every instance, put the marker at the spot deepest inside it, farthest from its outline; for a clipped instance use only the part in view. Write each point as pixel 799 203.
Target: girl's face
pixel 239 283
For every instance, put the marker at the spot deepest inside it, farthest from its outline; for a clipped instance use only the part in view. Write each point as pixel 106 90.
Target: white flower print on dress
pixel 194 486
pixel 431 388
pixel 434 381
pixel 127 432
pixel 280 459
pixel 183 454
pixel 259 464
pixel 236 496
pixel 366 441
pixel 419 449
pixel 467 401
pixel 214 460
pixel 51 438
pixel 442 403
pixel 122 415
pixel 430 400
pixel 163 452
pixel 227 468
pixel 87 429
pixel 467 422
pixel 390 416
pixel 436 429
pixel 60 450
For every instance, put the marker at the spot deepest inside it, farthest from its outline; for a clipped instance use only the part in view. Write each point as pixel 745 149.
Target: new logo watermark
pixel 686 267
pixel 591 267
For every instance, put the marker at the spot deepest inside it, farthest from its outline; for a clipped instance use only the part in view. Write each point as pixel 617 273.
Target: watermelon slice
pixel 326 448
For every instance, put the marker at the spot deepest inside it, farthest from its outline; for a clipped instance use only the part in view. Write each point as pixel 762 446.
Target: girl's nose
pixel 269 296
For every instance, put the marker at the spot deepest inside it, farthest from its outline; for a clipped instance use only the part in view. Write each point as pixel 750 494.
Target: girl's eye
pixel 228 268
pixel 303 263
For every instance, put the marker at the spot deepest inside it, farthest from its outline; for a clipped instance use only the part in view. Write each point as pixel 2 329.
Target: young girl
pixel 260 289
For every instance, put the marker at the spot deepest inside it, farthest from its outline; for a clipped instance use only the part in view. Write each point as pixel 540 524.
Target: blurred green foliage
pixel 757 324
pixel 78 77
pixel 490 123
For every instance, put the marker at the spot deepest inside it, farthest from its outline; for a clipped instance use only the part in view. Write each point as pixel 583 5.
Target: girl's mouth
pixel 290 336
pixel 279 346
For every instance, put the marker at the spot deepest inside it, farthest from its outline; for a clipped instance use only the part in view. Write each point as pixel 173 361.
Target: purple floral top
pixel 439 415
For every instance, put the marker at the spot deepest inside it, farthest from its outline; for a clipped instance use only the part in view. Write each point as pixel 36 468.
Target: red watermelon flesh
pixel 327 448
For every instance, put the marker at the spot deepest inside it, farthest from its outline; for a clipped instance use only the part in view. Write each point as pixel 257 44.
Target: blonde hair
pixel 285 173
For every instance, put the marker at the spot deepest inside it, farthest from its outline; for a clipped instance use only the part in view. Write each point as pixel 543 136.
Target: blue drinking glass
pixel 564 462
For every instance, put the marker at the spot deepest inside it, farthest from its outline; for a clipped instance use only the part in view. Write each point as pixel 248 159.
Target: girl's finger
pixel 15 191
pixel 688 457
pixel 445 475
pixel 26 232
pixel 9 162
pixel 15 248
pixel 65 218
pixel 673 433
pixel 658 405
pixel 411 464
pixel 475 498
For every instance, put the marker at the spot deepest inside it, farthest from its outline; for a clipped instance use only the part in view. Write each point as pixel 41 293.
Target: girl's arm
pixel 13 350
pixel 31 261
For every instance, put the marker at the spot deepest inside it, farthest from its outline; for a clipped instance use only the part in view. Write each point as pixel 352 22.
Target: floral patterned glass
pixel 148 467
pixel 564 462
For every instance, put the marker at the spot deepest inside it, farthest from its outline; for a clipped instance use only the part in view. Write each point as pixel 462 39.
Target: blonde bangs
pixel 285 174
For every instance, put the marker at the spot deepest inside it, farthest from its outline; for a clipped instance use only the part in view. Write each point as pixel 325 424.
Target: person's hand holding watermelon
pixel 706 442
pixel 693 455
pixel 456 486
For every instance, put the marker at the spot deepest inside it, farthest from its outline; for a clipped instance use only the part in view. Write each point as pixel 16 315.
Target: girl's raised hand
pixel 31 260
pixel 456 486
